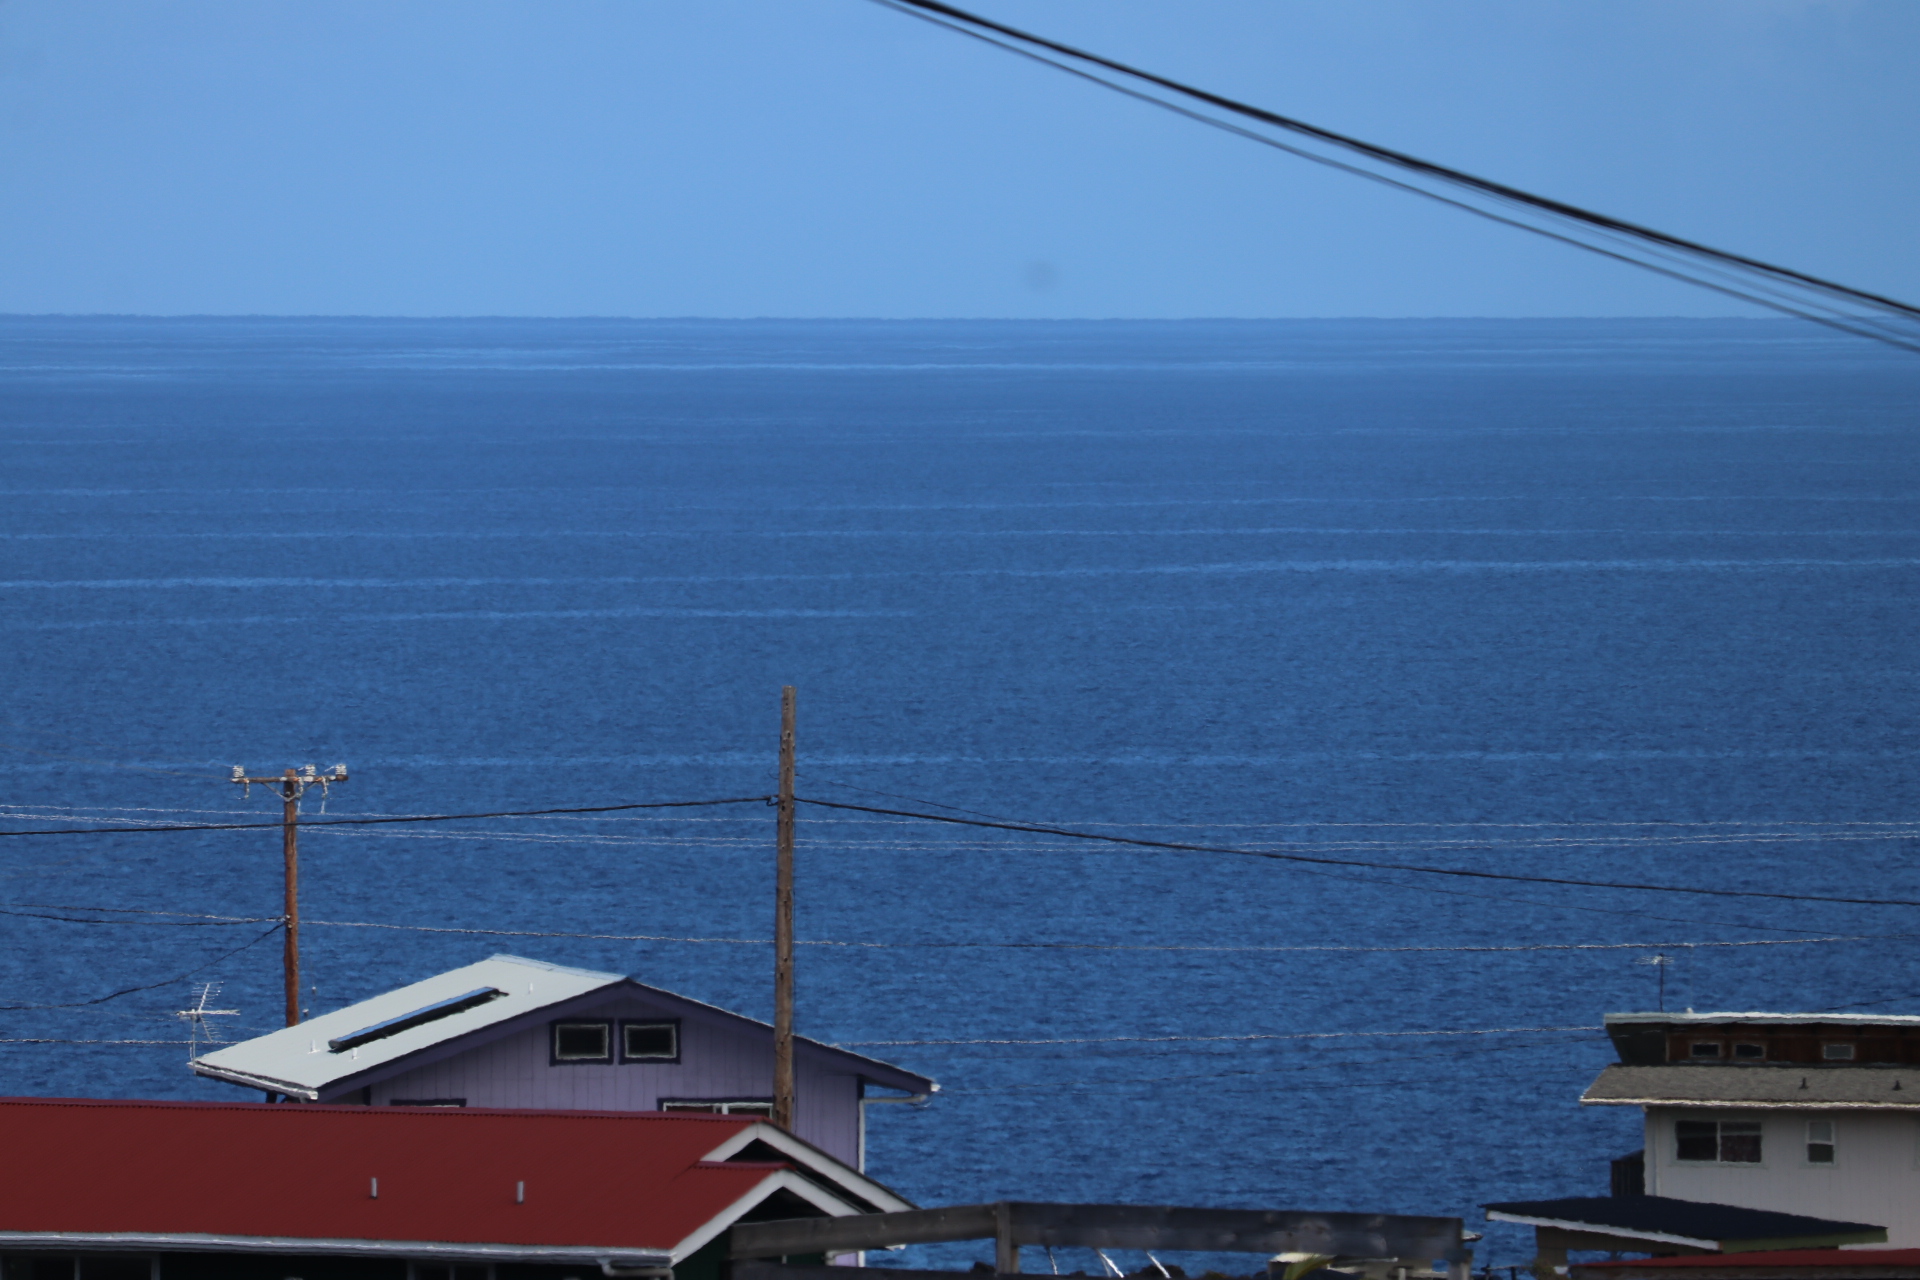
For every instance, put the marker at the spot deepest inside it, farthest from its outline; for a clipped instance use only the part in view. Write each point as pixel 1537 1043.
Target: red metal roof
pixel 1775 1258
pixel 633 1181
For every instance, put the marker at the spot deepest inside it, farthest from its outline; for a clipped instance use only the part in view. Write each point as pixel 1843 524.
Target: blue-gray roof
pixel 1726 1227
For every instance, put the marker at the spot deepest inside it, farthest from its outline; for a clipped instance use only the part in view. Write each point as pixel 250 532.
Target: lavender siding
pixel 719 1058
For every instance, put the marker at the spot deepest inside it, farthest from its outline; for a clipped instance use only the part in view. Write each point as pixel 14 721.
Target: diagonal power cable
pixel 1178 847
pixel 1782 289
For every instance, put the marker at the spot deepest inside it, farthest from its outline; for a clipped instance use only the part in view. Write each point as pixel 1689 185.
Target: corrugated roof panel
pixel 426 1181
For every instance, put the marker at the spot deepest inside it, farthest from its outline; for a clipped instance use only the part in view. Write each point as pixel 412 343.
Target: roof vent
pixel 419 1017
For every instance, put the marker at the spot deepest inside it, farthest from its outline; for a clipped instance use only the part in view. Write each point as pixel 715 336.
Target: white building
pixel 1811 1114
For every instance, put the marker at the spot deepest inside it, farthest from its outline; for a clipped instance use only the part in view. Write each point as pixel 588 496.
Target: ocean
pixel 1627 601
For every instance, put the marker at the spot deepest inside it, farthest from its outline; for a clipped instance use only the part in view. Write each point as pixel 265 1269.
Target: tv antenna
pixel 199 1030
pixel 1659 963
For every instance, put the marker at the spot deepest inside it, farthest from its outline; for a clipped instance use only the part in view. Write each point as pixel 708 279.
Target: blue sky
pixel 830 158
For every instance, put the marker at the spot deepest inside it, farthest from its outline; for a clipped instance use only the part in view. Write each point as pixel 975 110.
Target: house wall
pixel 1875 1176
pixel 718 1059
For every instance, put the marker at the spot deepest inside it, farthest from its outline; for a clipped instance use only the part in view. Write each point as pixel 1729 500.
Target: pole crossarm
pixel 1111 1226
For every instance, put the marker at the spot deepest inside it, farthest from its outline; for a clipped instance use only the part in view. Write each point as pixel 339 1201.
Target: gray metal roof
pixel 1758 1086
pixel 298 1060
pixel 316 1057
pixel 1690 1018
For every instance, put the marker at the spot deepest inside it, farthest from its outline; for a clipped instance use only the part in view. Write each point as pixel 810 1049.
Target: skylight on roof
pixel 419 1017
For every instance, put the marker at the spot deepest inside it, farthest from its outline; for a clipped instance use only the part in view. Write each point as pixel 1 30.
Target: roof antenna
pixel 1659 963
pixel 199 1030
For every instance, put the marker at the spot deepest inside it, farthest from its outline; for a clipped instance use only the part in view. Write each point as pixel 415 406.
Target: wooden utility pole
pixel 293 784
pixel 783 926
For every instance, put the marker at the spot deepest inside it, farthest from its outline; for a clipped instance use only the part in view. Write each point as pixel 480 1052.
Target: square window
pixel 1696 1140
pixel 582 1042
pixel 1750 1051
pixel 1739 1142
pixel 650 1042
pixel 1820 1144
pixel 1837 1052
pixel 1706 1049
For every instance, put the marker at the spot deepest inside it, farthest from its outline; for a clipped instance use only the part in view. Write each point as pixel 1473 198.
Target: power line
pixel 1035 945
pixel 151 986
pixel 1329 1064
pixel 211 921
pixel 1777 288
pixel 1290 1035
pixel 1070 834
pixel 363 822
pixel 52 1040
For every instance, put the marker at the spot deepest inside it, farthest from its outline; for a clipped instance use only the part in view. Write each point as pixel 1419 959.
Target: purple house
pixel 510 1032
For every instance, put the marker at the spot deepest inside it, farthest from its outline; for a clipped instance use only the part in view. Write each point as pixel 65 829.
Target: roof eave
pixel 250 1081
pixel 845 1181
pixel 206 1242
pixel 1603 1229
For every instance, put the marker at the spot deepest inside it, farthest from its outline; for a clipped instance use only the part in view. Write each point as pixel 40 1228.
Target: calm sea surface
pixel 1600 600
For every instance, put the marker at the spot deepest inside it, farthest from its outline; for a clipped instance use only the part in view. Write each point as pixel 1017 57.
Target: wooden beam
pixel 1111 1226
pixel 785 1236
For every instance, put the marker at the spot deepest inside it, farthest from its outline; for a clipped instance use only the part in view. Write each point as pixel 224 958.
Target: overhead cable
pixel 1292 1035
pixel 151 986
pixel 1070 834
pixel 1491 947
pixel 409 817
pixel 1795 293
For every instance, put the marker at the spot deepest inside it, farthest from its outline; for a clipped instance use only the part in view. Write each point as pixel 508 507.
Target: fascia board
pixel 267 1083
pixel 199 1242
pixel 776 1180
pixel 815 1161
pixel 1729 1104
pixel 1718 1017
pixel 1601 1229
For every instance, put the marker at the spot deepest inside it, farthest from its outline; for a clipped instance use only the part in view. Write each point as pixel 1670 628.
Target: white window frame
pixel 1831 1142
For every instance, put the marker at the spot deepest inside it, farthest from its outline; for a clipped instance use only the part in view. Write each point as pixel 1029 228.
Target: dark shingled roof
pixel 1823 1088
pixel 1715 1226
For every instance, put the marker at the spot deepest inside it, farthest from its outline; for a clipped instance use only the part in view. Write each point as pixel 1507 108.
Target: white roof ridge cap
pixel 1763 1016
pixel 509 958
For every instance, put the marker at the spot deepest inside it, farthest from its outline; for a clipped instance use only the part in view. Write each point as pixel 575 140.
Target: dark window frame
pixel 1750 1050
pixel 1724 1136
pixel 553 1042
pixel 1838 1051
pixel 426 1102
pixel 656 1060
pixel 1698 1050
